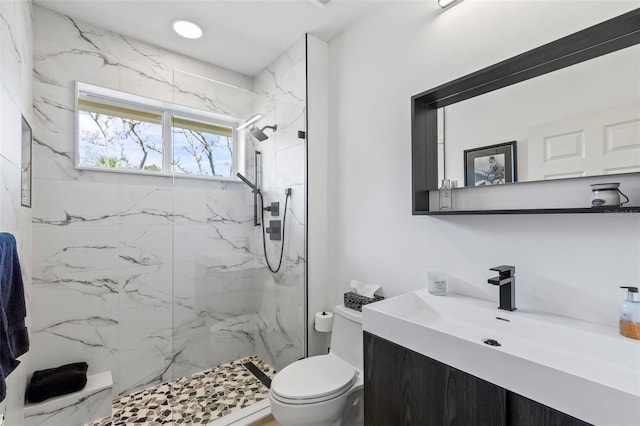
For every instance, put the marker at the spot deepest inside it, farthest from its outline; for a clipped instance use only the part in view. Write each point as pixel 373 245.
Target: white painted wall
pixel 566 264
pixel 318 283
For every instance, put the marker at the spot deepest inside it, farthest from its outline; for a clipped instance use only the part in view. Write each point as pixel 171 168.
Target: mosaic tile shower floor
pixel 193 400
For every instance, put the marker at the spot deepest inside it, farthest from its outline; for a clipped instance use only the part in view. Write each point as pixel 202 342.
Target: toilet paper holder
pixel 323 322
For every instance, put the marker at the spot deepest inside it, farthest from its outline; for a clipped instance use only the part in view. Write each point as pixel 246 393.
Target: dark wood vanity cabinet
pixel 403 387
pixel 525 412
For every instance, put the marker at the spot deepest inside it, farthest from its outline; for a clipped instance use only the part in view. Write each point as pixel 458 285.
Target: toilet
pixel 324 390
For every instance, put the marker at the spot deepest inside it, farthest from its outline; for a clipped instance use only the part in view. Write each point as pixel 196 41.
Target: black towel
pixel 14 339
pixel 45 384
pixel 76 367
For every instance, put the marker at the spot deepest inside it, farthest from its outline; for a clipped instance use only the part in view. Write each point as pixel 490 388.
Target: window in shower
pixel 116 136
pixel 123 132
pixel 202 148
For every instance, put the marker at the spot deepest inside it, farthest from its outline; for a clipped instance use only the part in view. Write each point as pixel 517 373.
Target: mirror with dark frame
pixel 565 124
pixel 540 105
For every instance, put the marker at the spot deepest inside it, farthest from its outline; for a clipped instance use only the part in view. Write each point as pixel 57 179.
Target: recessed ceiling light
pixel 187 29
pixel 321 3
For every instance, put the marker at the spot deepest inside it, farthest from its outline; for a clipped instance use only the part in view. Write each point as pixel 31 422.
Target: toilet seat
pixel 313 380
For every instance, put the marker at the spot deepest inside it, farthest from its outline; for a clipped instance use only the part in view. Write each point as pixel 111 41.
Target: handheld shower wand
pixel 251 185
pixel 256 192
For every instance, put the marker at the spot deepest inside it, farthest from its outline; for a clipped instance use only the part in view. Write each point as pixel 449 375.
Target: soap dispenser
pixel 630 314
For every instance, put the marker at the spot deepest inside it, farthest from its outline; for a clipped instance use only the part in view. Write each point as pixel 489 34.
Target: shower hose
pixel 284 227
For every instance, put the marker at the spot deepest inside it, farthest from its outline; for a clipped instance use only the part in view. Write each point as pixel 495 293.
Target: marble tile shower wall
pixel 146 276
pixel 280 338
pixel 15 101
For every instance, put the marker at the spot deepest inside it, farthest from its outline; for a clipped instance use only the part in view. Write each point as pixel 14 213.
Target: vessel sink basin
pixel 583 369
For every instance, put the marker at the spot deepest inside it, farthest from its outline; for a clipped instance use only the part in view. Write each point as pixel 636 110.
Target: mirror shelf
pixel 575 210
pixel 428 165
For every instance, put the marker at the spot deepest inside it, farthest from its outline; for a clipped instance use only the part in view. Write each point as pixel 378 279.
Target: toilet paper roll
pixel 324 321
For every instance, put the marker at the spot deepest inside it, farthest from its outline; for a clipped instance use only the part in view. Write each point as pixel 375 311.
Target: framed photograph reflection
pixel 25 198
pixel 490 165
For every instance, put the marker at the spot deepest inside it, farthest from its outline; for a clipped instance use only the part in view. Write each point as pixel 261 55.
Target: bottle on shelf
pixel 446 196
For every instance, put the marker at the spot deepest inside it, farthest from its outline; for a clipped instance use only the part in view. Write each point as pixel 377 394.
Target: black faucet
pixel 507 282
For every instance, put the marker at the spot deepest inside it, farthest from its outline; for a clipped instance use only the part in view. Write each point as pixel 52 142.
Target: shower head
pixel 259 133
pixel 248 182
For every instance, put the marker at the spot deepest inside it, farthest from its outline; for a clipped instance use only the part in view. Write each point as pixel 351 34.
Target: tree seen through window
pixel 202 148
pixel 117 137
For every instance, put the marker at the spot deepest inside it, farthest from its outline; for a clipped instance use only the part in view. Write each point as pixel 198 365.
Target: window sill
pixel 158 174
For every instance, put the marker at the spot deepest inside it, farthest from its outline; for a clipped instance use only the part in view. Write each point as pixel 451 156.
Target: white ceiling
pixel 242 35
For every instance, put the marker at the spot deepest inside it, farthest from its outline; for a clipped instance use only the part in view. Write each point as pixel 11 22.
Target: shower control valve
pixel 274 230
pixel 274 208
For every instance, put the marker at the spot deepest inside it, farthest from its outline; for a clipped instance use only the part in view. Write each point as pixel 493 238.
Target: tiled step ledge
pixel 77 408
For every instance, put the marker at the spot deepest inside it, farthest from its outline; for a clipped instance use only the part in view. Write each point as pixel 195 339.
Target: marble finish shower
pixel 156 277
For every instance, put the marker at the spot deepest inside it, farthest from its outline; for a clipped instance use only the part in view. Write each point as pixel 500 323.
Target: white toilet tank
pixel 346 336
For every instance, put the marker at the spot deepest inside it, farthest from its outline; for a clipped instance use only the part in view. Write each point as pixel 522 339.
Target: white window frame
pixel 167 110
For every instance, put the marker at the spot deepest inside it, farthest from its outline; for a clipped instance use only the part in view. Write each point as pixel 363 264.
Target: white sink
pixel 585 370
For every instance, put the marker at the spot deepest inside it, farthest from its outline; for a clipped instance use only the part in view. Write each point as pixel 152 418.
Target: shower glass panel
pixel 227 306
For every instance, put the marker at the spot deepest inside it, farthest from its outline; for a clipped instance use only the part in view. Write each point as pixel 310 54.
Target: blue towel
pixel 14 339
